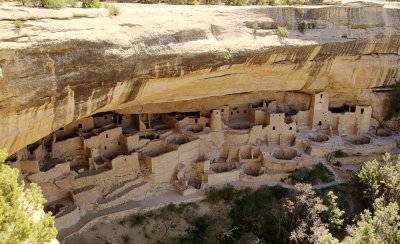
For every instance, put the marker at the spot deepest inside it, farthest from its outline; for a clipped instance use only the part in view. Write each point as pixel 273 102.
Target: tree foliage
pixel 381 180
pixel 22 219
pixel 333 214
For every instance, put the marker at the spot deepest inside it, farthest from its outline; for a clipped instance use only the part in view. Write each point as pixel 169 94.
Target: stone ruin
pixel 110 158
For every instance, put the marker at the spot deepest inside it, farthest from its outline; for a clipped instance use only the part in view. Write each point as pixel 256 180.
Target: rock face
pixel 67 64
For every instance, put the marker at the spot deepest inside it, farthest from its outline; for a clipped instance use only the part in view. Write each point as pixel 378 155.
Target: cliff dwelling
pixel 108 158
pixel 114 112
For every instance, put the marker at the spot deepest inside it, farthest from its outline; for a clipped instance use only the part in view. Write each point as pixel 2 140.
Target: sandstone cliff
pixel 66 64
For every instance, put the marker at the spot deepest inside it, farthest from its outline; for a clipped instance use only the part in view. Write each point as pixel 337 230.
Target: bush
pixel 53 3
pixel 254 26
pixel 211 2
pixel 292 2
pixel 340 154
pixel 228 193
pixel 176 2
pixel 126 238
pixel 23 2
pixel 266 2
pixel 282 31
pixel 19 23
pixel 113 10
pixel 46 3
pixel 338 164
pixel 235 2
pixel 316 175
pixel 92 4
pixel 71 3
pixel 301 27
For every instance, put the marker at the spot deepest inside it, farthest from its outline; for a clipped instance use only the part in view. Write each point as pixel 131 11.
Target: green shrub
pixel 235 2
pixel 282 31
pixel 53 3
pixel 93 4
pixel 266 2
pixel 123 222
pixel 316 175
pixel 71 3
pixel 126 238
pixel 211 2
pixel 46 3
pixel 254 26
pixel 340 154
pixel 338 164
pixel 192 2
pixel 23 2
pixel 228 193
pixel 139 219
pixel 113 10
pixel 301 27
pixel 176 2
pixel 18 23
pixel 292 2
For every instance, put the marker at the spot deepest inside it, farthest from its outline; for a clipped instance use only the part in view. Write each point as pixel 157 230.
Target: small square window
pixel 80 126
pixel 273 128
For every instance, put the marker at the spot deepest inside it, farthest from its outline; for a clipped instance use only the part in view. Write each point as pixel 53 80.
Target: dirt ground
pixel 121 231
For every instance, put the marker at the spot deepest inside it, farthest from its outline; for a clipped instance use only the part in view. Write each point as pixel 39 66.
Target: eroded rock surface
pixel 67 64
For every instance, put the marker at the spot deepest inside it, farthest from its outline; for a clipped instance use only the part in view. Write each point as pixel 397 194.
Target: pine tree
pixel 22 219
pixel 333 214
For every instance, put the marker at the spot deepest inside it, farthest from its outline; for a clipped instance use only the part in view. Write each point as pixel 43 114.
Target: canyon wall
pixel 67 64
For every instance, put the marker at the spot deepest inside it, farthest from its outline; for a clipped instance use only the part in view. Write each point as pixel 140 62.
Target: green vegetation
pixel 292 2
pixel 71 3
pixel 164 221
pixel 282 31
pixel 92 4
pixel 302 26
pixel 113 10
pixel 337 164
pixel 43 3
pixel 381 181
pixel 340 154
pixel 316 175
pixel 19 23
pixel 333 215
pixel 125 238
pixel 235 2
pixel 211 2
pixel 19 206
pixel 364 210
pixel 254 26
pixel 266 2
